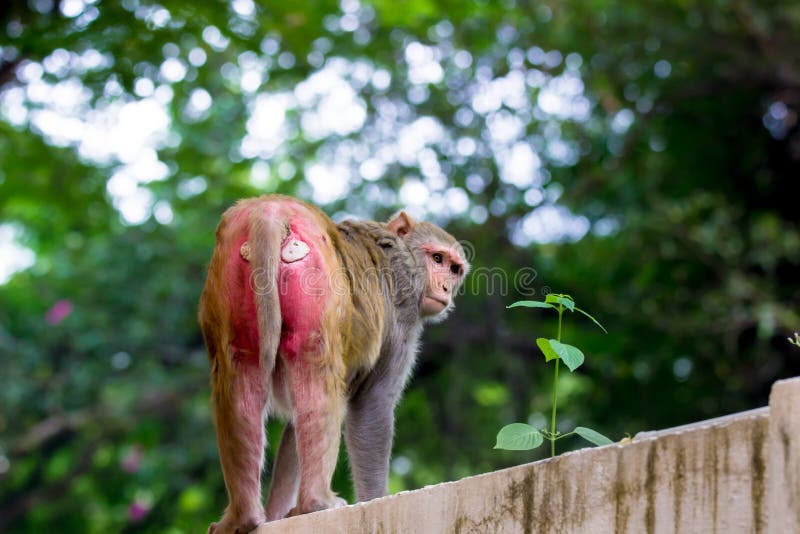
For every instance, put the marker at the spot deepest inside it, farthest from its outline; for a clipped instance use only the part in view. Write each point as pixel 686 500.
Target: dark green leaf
pixel 592 436
pixel 518 437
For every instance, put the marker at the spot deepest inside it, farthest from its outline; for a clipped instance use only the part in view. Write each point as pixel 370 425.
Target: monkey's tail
pixel 265 238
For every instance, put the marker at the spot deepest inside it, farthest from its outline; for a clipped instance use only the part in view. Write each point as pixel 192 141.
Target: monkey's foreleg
pixel 368 433
pixel 285 477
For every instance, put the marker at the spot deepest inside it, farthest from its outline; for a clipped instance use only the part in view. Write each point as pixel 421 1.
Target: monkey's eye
pixel 455 269
pixel 437 257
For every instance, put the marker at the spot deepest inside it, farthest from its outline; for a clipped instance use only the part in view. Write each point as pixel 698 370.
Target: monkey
pixel 318 324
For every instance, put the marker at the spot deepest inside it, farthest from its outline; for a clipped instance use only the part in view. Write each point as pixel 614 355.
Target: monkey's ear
pixel 401 224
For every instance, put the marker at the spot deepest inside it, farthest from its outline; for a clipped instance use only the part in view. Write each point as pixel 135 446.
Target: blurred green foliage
pixel 685 162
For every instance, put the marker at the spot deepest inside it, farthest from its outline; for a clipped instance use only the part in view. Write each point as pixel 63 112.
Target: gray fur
pixel 369 423
pixel 282 496
pixel 369 426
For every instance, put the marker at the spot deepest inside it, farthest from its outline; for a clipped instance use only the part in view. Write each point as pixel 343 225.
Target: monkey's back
pixel 328 278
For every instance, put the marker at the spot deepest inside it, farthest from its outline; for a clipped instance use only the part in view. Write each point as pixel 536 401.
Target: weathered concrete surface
pixel 784 457
pixel 706 477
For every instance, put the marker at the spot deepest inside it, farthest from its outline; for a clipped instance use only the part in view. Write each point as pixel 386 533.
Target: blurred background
pixel 643 157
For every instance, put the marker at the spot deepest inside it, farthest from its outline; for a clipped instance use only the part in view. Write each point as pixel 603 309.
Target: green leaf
pixel 572 356
pixel 518 437
pixel 567 302
pixel 546 348
pixel 592 318
pixel 564 300
pixel 592 436
pixel 530 304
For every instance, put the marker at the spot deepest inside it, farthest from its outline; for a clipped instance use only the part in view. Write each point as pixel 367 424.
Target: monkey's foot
pixel 316 505
pixel 229 525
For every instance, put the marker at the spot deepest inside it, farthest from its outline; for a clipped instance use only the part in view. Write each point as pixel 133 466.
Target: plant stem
pixel 555 391
pixel 560 313
pixel 553 418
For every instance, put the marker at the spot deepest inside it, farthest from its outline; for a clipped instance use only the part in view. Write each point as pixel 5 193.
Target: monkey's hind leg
pixel 239 404
pixel 319 402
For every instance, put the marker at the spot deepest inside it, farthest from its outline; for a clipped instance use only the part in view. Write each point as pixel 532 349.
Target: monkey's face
pixel 445 269
pixel 441 258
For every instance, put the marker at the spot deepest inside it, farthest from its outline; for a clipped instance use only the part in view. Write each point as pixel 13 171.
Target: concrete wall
pixel 739 473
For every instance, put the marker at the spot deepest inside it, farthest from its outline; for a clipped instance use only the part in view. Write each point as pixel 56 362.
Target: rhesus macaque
pixel 317 323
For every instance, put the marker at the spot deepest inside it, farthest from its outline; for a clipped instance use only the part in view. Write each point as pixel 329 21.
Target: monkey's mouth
pixel 442 302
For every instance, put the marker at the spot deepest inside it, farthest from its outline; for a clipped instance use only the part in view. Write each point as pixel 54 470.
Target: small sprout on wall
pixel 522 437
pixel 796 340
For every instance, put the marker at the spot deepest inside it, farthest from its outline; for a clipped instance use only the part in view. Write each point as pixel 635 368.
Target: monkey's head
pixel 442 259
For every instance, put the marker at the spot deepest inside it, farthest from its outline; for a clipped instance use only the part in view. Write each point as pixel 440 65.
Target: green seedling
pixel 795 341
pixel 523 437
